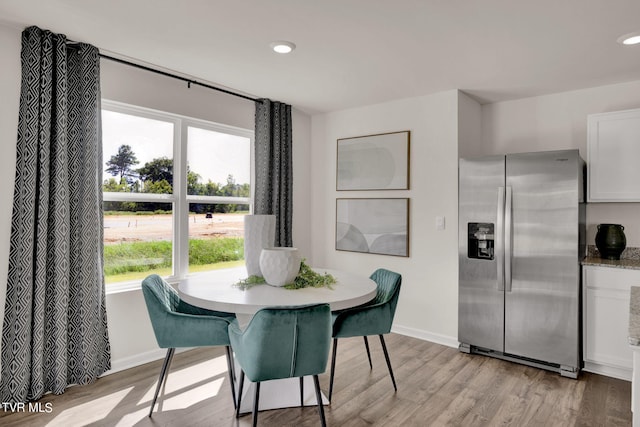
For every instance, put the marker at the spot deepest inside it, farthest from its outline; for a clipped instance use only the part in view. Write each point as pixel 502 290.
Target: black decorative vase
pixel 610 240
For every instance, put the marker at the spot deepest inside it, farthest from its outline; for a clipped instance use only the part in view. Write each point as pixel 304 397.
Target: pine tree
pixel 120 164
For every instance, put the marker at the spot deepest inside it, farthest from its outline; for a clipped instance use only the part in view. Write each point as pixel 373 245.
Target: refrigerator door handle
pixel 499 241
pixel 508 233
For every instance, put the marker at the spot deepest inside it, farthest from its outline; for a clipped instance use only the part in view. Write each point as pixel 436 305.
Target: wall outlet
pixel 440 223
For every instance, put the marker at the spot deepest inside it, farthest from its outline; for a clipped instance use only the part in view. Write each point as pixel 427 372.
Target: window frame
pixel 180 200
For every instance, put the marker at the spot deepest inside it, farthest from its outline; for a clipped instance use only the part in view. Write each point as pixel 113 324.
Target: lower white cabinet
pixel 605 309
pixel 635 386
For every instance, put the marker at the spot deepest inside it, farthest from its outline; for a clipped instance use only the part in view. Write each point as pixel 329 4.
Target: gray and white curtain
pixel 274 166
pixel 55 326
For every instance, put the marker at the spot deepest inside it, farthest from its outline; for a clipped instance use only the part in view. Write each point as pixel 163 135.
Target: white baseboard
pixel 426 336
pixel 121 364
pixel 609 371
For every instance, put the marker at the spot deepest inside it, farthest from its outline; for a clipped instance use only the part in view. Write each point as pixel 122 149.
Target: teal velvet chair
pixel 372 318
pixel 283 342
pixel 178 324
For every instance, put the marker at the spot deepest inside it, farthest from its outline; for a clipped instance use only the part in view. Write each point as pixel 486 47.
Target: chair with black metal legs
pixel 372 318
pixel 179 324
pixel 283 342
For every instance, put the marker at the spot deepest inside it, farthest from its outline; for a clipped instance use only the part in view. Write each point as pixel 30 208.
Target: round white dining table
pixel 216 291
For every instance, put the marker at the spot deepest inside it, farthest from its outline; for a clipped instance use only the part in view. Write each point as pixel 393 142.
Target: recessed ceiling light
pixel 629 39
pixel 282 46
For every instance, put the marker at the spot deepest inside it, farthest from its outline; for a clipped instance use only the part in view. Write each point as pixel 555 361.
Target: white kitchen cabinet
pixel 605 309
pixel 635 386
pixel 613 150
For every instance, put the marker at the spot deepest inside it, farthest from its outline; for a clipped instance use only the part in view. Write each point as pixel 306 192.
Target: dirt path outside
pixel 144 228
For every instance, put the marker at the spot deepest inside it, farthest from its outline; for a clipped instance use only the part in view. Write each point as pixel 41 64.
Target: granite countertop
pixel 632 264
pixel 634 316
pixel 630 259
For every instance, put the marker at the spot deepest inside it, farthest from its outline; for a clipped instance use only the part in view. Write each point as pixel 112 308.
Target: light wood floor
pixel 437 386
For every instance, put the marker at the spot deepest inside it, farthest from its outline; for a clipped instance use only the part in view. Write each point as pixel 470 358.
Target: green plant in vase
pixel 306 278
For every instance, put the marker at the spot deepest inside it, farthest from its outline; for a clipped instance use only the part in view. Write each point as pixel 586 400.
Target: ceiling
pixel 358 52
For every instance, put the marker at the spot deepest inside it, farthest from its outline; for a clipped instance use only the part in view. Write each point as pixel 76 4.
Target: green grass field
pixel 135 260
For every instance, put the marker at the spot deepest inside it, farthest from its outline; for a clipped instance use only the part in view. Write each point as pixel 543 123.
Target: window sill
pixel 120 287
pixel 135 285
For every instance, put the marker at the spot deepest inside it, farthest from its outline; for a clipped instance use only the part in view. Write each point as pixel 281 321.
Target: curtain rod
pixel 184 79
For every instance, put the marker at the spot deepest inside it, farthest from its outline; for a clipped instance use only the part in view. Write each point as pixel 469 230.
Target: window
pixel 175 194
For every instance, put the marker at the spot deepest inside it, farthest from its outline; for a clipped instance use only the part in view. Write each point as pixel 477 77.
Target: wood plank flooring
pixel 437 386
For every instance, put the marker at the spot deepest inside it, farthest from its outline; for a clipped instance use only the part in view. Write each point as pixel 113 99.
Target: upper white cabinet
pixel 614 156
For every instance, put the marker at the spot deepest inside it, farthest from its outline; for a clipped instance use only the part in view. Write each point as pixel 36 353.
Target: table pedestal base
pixel 277 394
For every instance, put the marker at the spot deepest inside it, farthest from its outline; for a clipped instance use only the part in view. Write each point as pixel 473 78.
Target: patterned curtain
pixel 55 325
pixel 274 166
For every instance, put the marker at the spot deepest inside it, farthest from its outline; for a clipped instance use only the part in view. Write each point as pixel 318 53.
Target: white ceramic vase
pixel 259 233
pixel 280 266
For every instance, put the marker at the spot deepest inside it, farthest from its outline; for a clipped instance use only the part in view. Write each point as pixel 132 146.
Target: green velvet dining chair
pixel 283 342
pixel 372 318
pixel 179 324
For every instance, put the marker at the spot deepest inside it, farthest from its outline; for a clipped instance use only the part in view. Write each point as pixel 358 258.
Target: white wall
pixel 444 127
pixel 469 127
pixel 559 121
pixel 428 300
pixel 440 125
pixel 132 340
pixel 10 96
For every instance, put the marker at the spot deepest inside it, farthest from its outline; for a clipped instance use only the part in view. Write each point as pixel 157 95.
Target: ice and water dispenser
pixel 480 236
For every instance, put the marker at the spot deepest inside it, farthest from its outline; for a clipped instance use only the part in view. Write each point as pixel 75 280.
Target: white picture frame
pixel 373 162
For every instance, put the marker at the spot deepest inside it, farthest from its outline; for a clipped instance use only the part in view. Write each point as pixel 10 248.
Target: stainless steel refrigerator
pixel 521 238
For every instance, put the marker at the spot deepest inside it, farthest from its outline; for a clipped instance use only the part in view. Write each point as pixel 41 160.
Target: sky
pixel 212 155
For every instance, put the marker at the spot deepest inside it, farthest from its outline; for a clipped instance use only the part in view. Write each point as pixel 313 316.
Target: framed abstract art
pixel 373 162
pixel 378 226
